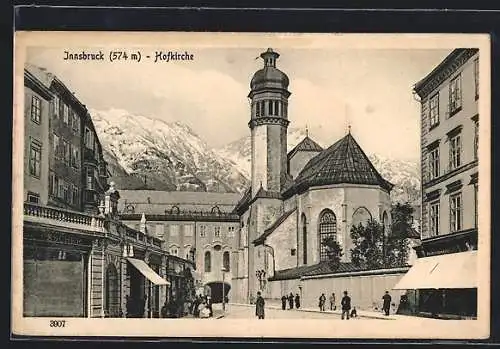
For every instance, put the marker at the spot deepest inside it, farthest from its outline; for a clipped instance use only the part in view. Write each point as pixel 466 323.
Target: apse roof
pixel 343 162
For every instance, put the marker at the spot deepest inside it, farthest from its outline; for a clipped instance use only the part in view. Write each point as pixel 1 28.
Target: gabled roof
pixel 243 203
pixel 343 162
pixel 273 227
pixel 307 144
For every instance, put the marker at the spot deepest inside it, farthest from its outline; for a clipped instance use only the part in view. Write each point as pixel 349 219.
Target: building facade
pixel 198 226
pixel 79 259
pixel 449 147
pixel 299 199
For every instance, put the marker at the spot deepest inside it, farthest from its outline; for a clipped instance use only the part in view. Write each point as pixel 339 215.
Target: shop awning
pixel 148 273
pixel 455 270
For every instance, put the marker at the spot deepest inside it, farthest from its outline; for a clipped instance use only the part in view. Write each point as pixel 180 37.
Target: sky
pixel 368 89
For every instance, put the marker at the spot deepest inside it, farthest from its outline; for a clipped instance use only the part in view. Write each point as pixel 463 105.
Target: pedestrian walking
pixel 332 302
pixel 290 300
pixel 283 302
pixel 209 306
pixel 387 303
pixel 346 305
pixel 259 306
pixel 322 301
pixel 297 301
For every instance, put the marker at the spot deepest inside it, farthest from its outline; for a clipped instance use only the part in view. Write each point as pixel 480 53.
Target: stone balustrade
pixel 62 215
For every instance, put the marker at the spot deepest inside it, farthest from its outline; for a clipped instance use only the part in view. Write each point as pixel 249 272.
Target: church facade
pixel 299 198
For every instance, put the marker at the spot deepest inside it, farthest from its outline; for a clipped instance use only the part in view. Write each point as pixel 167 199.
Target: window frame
pixel 34 163
pixel 456 225
pixel 207 257
pixel 434 204
pixel 434 162
pixel 33 195
pixel 455 154
pixel 476 140
pixel 434 119
pixel 36 110
pixel 324 232
pixel 455 98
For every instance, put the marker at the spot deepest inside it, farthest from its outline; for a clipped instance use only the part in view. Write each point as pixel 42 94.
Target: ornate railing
pixel 62 215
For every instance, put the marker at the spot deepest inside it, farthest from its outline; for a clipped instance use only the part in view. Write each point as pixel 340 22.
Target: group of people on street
pixel 290 299
pixel 202 307
pixel 348 311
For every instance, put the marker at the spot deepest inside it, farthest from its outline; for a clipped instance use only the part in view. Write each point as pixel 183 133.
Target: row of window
pixel 63 190
pixel 188 231
pixel 455 153
pixel 68 115
pixel 455 213
pixel 91 178
pixel 270 108
pixel 66 151
pixel 455 97
pixel 225 261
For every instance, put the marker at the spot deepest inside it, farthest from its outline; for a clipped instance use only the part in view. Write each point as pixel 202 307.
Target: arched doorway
pixel 112 294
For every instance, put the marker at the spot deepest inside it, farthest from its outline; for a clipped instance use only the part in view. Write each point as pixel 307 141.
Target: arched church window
pixel 285 109
pixel 257 109
pixel 361 216
pixel 276 108
pixel 327 228
pixel 262 107
pixel 208 262
pixel 225 261
pixel 304 239
pixel 269 107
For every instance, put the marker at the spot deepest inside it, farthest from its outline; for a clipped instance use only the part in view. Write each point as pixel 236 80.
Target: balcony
pixel 34 213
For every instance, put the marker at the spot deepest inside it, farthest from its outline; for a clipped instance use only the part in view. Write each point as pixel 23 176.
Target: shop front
pixel 55 273
pixel 144 297
pixel 446 285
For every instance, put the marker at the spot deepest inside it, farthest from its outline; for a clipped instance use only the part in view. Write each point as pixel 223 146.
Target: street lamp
pixel 223 289
pixel 260 276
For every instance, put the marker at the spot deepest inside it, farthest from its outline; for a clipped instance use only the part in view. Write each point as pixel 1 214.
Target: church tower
pixel 268 124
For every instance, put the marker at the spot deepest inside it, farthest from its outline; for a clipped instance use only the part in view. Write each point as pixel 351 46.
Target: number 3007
pixel 57 323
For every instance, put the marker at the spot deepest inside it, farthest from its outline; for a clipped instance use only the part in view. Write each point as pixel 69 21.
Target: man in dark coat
pixel 290 300
pixel 387 303
pixel 259 306
pixel 346 305
pixel 297 301
pixel 283 302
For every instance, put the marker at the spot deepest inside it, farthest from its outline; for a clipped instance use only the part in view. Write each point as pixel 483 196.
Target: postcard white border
pixel 376 329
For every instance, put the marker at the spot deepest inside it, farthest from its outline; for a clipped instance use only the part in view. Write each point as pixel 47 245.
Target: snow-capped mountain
pixel 164 156
pixel 405 175
pixel 170 156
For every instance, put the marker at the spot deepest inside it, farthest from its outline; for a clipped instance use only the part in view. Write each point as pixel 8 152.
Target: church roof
pixel 273 227
pixel 343 162
pixel 307 144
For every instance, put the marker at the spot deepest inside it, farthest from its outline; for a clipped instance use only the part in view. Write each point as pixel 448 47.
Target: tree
pixel 374 248
pixel 334 251
pixel 368 245
pixel 401 231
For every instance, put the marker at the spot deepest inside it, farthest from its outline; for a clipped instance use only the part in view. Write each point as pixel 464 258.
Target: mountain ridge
pixel 145 153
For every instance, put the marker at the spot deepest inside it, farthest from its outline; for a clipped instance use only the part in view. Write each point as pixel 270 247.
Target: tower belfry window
pixel 269 107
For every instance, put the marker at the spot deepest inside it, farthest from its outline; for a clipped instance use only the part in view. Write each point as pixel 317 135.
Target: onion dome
pixel 269 76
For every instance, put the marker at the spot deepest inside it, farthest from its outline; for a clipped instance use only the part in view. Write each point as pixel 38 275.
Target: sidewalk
pixel 361 313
